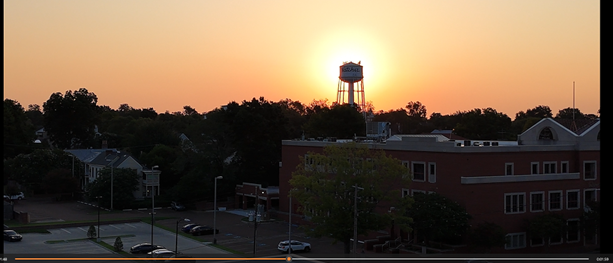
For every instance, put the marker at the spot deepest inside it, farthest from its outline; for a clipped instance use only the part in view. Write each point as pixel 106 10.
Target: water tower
pixel 350 74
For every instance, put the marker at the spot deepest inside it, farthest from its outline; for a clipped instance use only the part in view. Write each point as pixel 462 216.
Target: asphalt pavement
pixel 236 235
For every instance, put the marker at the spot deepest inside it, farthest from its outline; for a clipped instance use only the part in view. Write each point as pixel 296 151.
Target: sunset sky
pixel 451 55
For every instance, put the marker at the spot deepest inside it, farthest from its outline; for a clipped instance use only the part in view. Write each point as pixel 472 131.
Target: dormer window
pixel 546 134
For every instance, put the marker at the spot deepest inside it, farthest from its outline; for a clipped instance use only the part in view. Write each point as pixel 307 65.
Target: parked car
pixel 11 235
pixel 144 248
pixel 203 230
pixel 161 253
pixel 284 246
pixel 177 206
pixel 18 196
pixel 188 227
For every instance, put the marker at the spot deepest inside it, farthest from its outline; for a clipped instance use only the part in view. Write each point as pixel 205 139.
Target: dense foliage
pixel 324 184
pixel 437 218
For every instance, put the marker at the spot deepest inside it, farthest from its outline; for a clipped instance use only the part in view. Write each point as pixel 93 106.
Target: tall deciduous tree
pixel 487 235
pixel 486 124
pixel 30 169
pixel 125 182
pixel 323 184
pixel 438 218
pixel 568 113
pixel 547 226
pixel 18 130
pixel 341 121
pixel 70 119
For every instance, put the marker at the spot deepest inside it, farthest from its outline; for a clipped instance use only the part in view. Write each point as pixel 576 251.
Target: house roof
pixel 104 157
pixel 86 155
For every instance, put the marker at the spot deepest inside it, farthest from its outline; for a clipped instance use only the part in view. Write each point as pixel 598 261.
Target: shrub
pixel 118 244
pixel 91 232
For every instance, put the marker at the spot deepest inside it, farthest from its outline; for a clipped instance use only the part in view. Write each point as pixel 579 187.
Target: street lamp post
pixel 215 210
pixel 177 235
pixel 98 233
pixel 152 206
pixel 355 218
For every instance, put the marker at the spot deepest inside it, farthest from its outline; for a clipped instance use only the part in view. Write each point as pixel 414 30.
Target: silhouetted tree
pixel 19 133
pixel 70 119
pixel 437 218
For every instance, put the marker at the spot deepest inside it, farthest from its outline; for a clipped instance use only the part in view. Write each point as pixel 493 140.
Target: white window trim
pixel 505 203
pixel 512 168
pixel 578 231
pixel 413 171
pixel 537 168
pixel 539 245
pixel 431 175
pixel 589 190
pixel 567 167
pixel 578 199
pixel 557 243
pixel 542 201
pixel 405 192
pixel 510 235
pixel 555 166
pixel 561 200
pixel 595 170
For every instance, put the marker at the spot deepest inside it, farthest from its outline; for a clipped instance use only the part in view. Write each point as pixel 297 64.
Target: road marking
pixel 114 226
pixel 130 225
pixel 65 230
pixel 83 229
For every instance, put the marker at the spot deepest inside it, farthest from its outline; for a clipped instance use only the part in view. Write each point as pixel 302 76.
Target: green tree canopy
pixel 547 226
pixel 340 121
pixel 70 119
pixel 438 218
pixel 18 130
pixel 125 182
pixel 29 170
pixel 323 184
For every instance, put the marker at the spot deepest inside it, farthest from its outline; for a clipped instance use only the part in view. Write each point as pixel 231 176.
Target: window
pixel 418 192
pixel 508 169
pixel 564 167
pixel 419 171
pixel 536 241
pixel 556 240
pixel 405 192
pixel 555 200
pixel 432 172
pixel 536 201
pixel 549 167
pixel 572 199
pixel 308 162
pixel 572 234
pixel 514 203
pixel 515 240
pixel 534 168
pixel 589 170
pixel 589 195
pixel 546 134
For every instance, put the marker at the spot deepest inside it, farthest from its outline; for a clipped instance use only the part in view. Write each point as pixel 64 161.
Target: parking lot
pixel 235 236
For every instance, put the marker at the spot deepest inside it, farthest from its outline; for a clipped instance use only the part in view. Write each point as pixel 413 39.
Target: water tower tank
pixel 351 72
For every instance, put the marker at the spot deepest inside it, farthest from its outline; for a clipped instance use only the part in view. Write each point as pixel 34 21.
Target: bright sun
pixel 330 53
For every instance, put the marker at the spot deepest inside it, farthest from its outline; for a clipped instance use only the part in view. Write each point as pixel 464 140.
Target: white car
pixel 18 196
pixel 162 253
pixel 284 246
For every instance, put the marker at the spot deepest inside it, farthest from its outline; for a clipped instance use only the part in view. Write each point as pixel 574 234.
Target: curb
pixel 93 205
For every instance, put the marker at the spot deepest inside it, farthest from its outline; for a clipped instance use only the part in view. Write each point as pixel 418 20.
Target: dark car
pixel 177 206
pixel 188 227
pixel 144 248
pixel 203 230
pixel 11 235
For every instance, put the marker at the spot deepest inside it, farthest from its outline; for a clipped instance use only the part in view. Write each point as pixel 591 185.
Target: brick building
pixel 552 167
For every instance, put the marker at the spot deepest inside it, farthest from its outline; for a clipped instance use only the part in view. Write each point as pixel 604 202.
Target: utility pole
pixel 355 218
pixel 255 216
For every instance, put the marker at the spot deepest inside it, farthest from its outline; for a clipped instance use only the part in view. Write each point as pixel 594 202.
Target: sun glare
pixel 331 53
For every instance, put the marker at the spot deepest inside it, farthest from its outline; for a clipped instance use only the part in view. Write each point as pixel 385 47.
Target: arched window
pixel 546 134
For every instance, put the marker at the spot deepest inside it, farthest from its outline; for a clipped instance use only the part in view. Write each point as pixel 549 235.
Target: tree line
pixel 239 141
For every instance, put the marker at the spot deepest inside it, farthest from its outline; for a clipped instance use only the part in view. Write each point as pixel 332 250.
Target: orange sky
pixel 450 55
